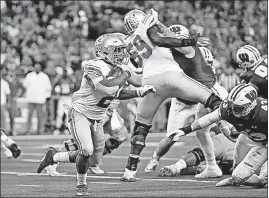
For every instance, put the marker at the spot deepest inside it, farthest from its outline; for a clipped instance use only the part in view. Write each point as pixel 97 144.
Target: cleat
pixel 82 190
pixel 151 166
pixel 47 159
pixel 225 182
pixel 210 172
pixel 51 170
pixel 129 176
pixel 16 152
pixel 96 170
pixel 170 171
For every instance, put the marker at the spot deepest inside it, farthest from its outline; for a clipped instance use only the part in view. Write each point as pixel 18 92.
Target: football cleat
pixel 225 182
pixel 210 172
pixel 47 159
pixel 96 170
pixel 151 165
pixel 82 190
pixel 170 171
pixel 16 151
pixel 129 176
pixel 51 170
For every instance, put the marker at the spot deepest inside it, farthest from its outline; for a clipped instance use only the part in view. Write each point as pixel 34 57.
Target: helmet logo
pixel 251 95
pixel 244 57
pixel 175 29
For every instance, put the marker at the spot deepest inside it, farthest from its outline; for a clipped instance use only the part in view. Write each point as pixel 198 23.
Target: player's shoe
pixel 82 190
pixel 151 165
pixel 225 182
pixel 210 172
pixel 51 170
pixel 129 176
pixel 96 170
pixel 170 171
pixel 15 150
pixel 47 159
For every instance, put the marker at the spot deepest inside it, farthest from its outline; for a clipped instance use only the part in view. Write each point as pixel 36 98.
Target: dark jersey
pixel 256 127
pixel 258 76
pixel 195 67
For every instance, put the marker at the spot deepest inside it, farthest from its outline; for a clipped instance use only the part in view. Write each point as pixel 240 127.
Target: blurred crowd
pixel 58 35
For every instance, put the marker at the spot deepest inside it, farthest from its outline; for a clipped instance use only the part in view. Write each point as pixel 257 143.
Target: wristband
pixel 187 129
pixel 189 42
pixel 128 73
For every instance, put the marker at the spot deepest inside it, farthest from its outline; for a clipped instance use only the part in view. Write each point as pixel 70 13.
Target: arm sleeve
pixel 93 74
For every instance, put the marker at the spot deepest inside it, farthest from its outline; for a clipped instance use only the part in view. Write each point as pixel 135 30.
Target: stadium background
pixel 61 34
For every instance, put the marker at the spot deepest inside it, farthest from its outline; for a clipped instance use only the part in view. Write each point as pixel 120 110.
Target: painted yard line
pixel 109 177
pixel 103 183
pixel 115 172
pixel 23 185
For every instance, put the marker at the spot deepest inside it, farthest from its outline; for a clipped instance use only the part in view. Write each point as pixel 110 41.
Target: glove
pixel 145 90
pixel 201 41
pixel 175 136
pixel 150 20
pixel 126 70
pixel 155 14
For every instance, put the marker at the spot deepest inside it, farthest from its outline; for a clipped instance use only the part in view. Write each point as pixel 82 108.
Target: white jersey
pixel 155 59
pixel 88 100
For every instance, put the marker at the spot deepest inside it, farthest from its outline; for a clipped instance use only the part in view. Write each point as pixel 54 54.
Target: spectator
pixel 38 89
pixel 229 79
pixel 5 93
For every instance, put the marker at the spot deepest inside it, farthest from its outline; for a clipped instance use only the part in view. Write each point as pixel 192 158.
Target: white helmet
pixel 97 44
pixel 248 56
pixel 112 49
pixel 181 31
pixel 242 99
pixel 207 55
pixel 132 20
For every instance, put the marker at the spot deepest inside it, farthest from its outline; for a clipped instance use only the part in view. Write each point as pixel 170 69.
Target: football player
pixel 161 70
pixel 255 68
pixel 197 63
pixel 249 116
pixel 9 146
pixel 192 162
pixel 89 106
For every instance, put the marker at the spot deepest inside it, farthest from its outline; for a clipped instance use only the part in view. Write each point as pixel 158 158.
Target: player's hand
pixel 150 20
pixel 154 13
pixel 175 136
pixel 145 90
pixel 126 70
pixel 201 41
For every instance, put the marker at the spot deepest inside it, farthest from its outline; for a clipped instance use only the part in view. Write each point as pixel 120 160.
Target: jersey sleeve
pixel 92 72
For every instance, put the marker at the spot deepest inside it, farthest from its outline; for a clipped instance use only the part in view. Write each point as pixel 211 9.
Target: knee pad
pixel 226 166
pixel 70 145
pixel 110 145
pixel 140 133
pixel 213 101
pixel 198 153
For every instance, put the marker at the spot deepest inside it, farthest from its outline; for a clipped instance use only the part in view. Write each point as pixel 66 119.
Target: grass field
pixel 19 177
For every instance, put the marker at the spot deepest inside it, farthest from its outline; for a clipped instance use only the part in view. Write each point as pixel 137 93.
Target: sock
pixel 61 157
pixel 132 162
pixel 207 146
pixel 181 164
pixel 155 156
pixel 81 179
pixel 7 141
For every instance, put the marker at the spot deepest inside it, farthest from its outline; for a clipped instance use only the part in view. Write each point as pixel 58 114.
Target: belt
pixel 70 115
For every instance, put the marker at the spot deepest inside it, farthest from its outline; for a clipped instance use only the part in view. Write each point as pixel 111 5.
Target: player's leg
pixel 180 115
pixel 146 110
pixel 10 144
pixel 29 118
pixel 40 117
pixel 60 113
pixel 191 90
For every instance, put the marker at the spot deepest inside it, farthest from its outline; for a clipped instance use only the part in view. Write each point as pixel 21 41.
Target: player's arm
pixel 228 130
pixel 124 94
pixel 168 42
pixel 135 79
pixel 120 79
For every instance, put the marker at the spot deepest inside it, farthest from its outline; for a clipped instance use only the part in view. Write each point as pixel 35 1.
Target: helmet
pixel 207 55
pixel 242 99
pixel 97 44
pixel 180 30
pixel 112 49
pixel 132 20
pixel 120 35
pixel 248 57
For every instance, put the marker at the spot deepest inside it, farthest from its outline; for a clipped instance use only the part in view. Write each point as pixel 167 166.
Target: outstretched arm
pixel 124 94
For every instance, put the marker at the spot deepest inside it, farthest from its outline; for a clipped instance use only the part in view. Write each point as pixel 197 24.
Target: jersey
pixel 155 60
pixel 256 127
pixel 258 76
pixel 65 86
pixel 196 67
pixel 89 101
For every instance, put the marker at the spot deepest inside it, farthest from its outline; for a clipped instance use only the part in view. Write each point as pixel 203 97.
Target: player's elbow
pixel 156 40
